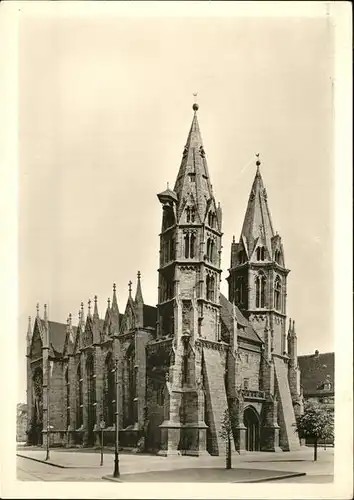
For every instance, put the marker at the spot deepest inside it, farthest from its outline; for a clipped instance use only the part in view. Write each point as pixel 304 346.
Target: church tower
pixel 258 276
pixel 188 309
pixel 190 249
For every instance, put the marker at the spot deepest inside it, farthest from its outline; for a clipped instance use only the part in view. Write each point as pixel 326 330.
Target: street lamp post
pixel 116 472
pixel 102 426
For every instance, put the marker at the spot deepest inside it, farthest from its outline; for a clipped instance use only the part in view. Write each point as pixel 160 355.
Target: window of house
pixel 260 252
pixel 245 383
pixel 186 246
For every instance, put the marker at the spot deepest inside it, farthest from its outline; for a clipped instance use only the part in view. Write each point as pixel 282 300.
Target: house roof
pixel 226 314
pixel 315 369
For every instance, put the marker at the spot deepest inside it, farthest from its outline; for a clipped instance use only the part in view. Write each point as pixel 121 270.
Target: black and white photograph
pixel 177 229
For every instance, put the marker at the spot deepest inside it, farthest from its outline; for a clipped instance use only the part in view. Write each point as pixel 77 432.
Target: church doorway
pixel 251 422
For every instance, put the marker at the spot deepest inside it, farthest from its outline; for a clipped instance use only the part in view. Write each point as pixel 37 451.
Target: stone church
pixel 178 366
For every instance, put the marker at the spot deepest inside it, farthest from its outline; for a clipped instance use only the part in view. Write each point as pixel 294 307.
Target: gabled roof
pixel 315 368
pixel 226 314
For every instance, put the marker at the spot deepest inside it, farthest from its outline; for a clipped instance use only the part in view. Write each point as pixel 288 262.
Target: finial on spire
pixel 70 319
pixel 95 310
pixel 37 307
pixel 89 306
pixel 168 185
pixel 258 162
pixel 195 105
pixel 108 303
pixel 233 239
pixel 139 275
pixel 130 287
pixel 45 313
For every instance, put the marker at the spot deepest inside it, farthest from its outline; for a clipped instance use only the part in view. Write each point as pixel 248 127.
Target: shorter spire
pixel 289 331
pixel 29 329
pixel 82 315
pixel 139 294
pixel 45 316
pixel 114 300
pixel 95 310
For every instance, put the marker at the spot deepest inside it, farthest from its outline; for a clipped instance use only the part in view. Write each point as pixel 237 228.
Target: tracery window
pixel 91 391
pixel 277 256
pixel 277 294
pixel 67 385
pixel 260 253
pixel 260 290
pixel 189 245
pixel 210 288
pixel 79 393
pixel 109 390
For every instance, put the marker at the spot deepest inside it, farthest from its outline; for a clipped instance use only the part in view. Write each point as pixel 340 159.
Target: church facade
pixel 174 369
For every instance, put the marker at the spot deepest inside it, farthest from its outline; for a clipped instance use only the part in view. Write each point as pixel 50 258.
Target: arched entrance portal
pixel 251 422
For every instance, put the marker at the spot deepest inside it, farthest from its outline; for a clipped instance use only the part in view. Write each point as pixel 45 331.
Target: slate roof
pixel 226 314
pixel 314 371
pixel 57 334
pixel 150 316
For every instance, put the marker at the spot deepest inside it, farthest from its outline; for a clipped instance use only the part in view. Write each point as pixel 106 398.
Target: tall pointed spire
pixel 193 176
pixel 257 224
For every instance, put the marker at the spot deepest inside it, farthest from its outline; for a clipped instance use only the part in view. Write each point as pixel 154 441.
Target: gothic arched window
pixel 210 286
pixel 277 294
pixel 132 386
pixel 67 386
pixel 109 391
pixel 91 391
pixel 186 246
pixel 260 253
pixel 260 290
pixel 192 246
pixel 79 400
pixel 277 256
pixel 193 214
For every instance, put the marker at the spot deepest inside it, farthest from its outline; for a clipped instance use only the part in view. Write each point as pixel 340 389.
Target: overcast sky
pixel 105 109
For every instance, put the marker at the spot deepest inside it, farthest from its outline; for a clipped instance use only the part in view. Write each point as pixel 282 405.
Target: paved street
pixel 77 465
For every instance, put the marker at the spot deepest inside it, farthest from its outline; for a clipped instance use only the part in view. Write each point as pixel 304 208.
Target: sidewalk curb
pixel 113 479
pixel 274 478
pixel 43 461
pixel 53 464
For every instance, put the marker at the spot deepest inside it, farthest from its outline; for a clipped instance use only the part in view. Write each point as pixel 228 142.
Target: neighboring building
pixel 182 364
pixel 21 422
pixel 317 377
